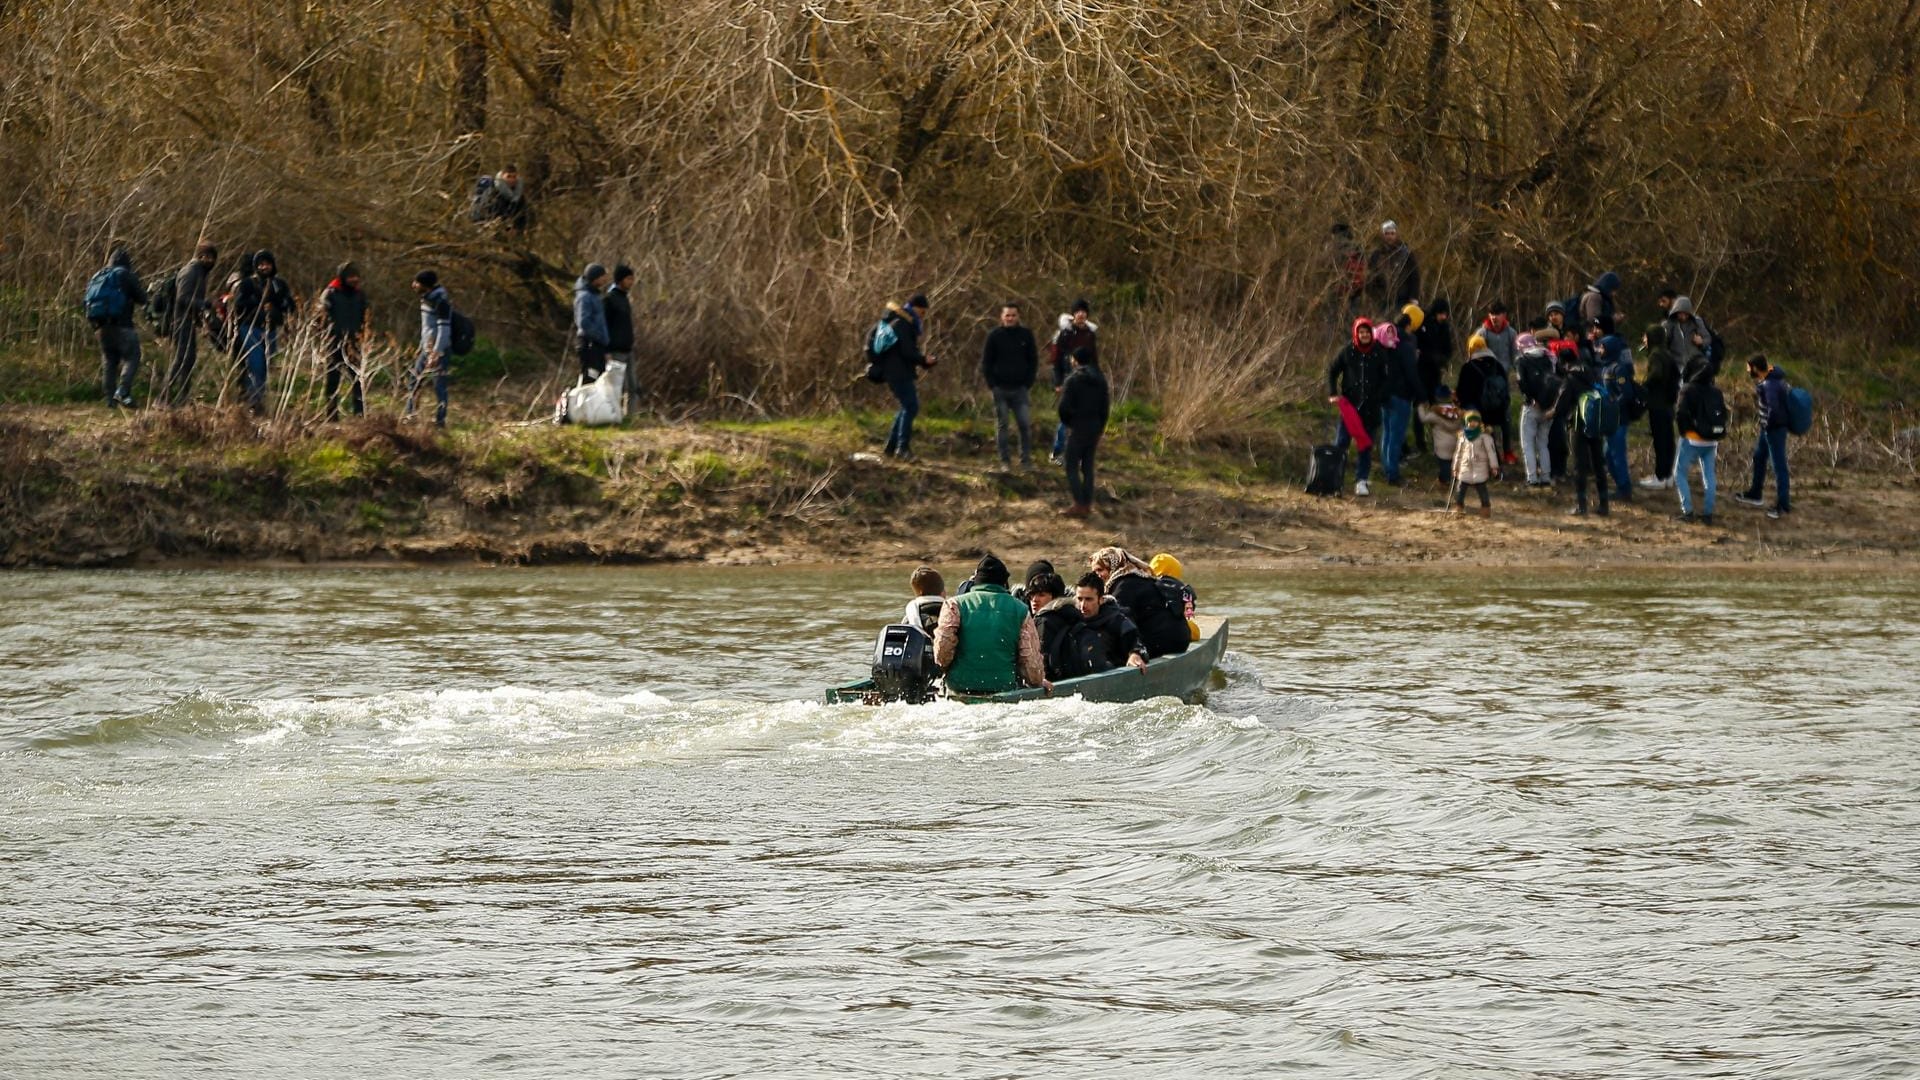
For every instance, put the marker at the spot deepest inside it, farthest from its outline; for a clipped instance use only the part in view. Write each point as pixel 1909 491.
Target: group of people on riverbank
pixel 246 317
pixel 992 636
pixel 1010 366
pixel 1575 379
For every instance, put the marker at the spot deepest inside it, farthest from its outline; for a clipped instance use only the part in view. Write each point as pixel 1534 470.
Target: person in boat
pixel 1160 617
pixel 929 596
pixel 1057 619
pixel 986 641
pixel 1035 569
pixel 1102 614
pixel 1168 571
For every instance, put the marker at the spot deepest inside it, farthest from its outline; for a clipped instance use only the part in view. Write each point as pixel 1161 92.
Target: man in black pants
pixel 1084 404
pixel 191 309
pixel 343 307
pixel 1589 450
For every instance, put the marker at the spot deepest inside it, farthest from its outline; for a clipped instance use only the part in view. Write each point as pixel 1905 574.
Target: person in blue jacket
pixel 590 322
pixel 1770 391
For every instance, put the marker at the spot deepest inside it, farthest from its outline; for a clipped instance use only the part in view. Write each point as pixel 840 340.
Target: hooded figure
pixel 1168 569
pixel 1162 622
pixel 1482 368
pixel 589 308
pixel 1359 372
pixel 1684 325
pixel 1596 304
pixel 1433 342
pixel 263 300
pixel 344 304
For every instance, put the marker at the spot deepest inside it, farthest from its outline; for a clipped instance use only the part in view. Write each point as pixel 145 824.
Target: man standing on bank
pixel 1084 405
pixel 1010 361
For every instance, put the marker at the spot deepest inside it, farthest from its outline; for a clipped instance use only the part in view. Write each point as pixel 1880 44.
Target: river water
pixel 592 823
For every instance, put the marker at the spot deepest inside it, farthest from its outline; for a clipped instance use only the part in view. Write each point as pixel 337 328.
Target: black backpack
pixel 160 304
pixel 1713 417
pixel 1495 399
pixel 1080 651
pixel 463 333
pixel 1324 471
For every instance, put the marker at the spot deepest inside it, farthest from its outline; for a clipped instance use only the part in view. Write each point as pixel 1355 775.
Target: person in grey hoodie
pixel 436 343
pixel 590 322
pixel 191 308
pixel 1596 304
pixel 1688 335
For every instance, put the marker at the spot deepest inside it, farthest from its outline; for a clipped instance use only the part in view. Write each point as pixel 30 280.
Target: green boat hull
pixel 1185 677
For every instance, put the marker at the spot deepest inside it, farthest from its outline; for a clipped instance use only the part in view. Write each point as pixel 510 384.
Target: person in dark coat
pixel 1057 618
pixel 343 318
pixel 1770 392
pixel 1107 617
pixel 1393 279
pixel 262 304
pixel 617 308
pixel 1662 386
pixel 1161 619
pixel 1359 373
pixel 1009 362
pixel 1076 331
pixel 119 341
pixel 590 322
pixel 900 367
pixel 1589 451
pixel 192 306
pixel 1084 406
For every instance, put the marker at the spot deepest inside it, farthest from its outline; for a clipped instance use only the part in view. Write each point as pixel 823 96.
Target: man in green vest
pixel 986 641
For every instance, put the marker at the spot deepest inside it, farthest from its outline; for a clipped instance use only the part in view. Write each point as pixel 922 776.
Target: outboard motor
pixel 903 668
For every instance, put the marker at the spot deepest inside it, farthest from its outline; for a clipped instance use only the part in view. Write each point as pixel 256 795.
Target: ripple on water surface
pixel 446 825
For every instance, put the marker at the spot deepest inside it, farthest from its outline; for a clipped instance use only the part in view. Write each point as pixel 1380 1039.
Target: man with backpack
pixel 1597 305
pixel 1592 415
pixel 894 354
pixel 1609 352
pixel 1538 389
pixel 262 303
pixel 501 197
pixel 1688 335
pixel 1483 385
pixel 1662 388
pixel 590 322
pixel 1500 336
pixel 343 322
pixel 617 307
pixel 1770 391
pixel 192 306
pixel 113 294
pixel 1701 416
pixel 436 343
pixel 1009 362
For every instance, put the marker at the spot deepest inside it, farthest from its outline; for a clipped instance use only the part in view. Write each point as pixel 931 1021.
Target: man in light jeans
pixel 1010 361
pixel 1538 389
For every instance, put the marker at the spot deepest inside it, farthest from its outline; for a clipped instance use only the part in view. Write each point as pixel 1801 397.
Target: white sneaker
pixel 1360 489
pixel 1652 482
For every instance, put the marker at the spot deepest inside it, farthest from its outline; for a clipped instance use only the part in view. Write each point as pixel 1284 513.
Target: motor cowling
pixel 903 667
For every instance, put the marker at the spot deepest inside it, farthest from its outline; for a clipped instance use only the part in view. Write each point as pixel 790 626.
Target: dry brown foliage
pixel 777 170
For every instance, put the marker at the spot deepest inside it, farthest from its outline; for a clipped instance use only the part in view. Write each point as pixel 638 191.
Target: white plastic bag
pixel 601 401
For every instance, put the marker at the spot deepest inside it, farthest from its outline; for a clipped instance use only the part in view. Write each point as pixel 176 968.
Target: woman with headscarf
pixel 1160 616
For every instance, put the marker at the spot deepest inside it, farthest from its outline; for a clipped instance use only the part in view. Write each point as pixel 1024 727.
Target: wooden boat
pixel 1183 677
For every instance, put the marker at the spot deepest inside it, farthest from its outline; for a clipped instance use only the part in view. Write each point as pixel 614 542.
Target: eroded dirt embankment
pixel 81 488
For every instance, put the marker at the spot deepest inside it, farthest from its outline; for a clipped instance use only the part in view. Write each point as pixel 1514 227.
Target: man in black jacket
pixel 1104 616
pixel 1589 450
pixel 121 294
pixel 1359 374
pixel 1009 361
pixel 343 317
pixel 1393 273
pixel 191 308
pixel 617 305
pixel 261 306
pixel 1084 405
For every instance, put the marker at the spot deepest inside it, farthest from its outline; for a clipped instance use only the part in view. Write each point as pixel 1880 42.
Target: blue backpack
pixel 1799 410
pixel 1599 412
pixel 107 298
